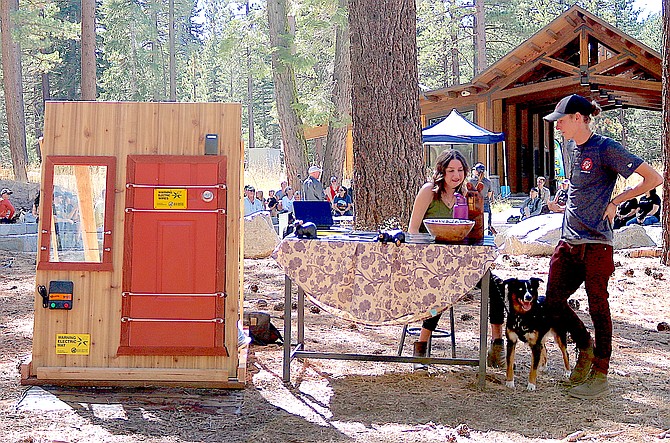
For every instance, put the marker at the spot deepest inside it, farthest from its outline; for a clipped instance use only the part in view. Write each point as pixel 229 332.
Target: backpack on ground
pixel 261 330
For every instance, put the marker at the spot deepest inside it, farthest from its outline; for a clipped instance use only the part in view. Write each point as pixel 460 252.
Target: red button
pixel 66 305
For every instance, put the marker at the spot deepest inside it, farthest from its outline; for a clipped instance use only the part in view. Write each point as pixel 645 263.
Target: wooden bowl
pixel 448 229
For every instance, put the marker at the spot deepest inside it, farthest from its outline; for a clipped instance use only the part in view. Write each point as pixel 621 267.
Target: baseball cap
pixel 314 169
pixel 480 167
pixel 6 191
pixel 570 105
pixel 566 182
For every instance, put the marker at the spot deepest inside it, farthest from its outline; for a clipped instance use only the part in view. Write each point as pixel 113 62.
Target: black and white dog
pixel 527 321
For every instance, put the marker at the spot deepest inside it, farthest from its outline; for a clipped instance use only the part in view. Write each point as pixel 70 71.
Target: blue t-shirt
pixel 595 166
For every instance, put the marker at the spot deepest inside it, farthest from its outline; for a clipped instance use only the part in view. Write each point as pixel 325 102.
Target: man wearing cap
pixel 479 176
pixel 585 254
pixel 251 203
pixel 6 207
pixel 312 189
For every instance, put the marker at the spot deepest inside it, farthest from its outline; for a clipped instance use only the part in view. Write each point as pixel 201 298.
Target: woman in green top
pixel 436 199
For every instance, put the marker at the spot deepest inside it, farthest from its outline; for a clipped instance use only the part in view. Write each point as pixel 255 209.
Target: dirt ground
pixel 333 401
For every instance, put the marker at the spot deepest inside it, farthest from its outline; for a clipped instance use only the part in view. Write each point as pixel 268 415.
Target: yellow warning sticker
pixel 79 344
pixel 170 198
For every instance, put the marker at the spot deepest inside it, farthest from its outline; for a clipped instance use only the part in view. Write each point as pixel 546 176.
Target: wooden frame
pixel 86 199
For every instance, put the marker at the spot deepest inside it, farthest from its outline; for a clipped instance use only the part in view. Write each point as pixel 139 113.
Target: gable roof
pixel 576 53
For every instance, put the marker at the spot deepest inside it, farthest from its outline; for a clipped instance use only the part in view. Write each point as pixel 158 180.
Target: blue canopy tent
pixel 456 129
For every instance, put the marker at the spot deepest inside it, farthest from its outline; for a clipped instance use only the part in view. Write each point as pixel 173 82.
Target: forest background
pixel 220 50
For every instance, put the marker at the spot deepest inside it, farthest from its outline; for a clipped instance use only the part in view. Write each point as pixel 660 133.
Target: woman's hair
pixel 441 164
pixel 595 110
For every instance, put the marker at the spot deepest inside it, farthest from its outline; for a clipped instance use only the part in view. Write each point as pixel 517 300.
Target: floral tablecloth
pixel 383 284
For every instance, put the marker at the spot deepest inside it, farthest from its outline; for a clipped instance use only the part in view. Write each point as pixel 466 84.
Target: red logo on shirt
pixel 587 164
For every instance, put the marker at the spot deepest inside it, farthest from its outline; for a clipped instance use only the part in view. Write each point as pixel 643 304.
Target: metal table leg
pixel 286 370
pixel 483 327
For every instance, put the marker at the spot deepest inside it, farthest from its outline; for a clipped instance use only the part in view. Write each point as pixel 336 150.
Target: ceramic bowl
pixel 448 229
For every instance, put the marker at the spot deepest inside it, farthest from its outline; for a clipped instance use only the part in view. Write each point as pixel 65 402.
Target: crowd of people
pixel 311 189
pixel 646 211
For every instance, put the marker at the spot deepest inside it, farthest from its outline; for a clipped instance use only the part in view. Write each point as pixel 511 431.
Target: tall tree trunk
pixel 665 259
pixel 283 75
pixel 172 60
pixel 385 107
pixel 480 37
pixel 88 64
pixel 335 152
pixel 13 86
pixel 250 95
pixel 453 32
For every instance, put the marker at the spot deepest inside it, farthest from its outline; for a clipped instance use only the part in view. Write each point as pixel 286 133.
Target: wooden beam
pixel 119 374
pixel 552 34
pixel 559 65
pixel 609 63
pixel 534 47
pixel 607 80
pixel 535 88
pixel 570 20
pixel 583 48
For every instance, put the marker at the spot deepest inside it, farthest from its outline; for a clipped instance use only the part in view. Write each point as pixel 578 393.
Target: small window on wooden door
pixel 76 222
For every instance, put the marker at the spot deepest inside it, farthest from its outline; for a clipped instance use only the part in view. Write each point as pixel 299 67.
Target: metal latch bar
pixel 184 211
pixel 135 185
pixel 163 294
pixel 172 320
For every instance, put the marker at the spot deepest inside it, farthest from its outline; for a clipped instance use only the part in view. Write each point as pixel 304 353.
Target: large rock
pixel 534 236
pixel 539 235
pixel 634 236
pixel 260 238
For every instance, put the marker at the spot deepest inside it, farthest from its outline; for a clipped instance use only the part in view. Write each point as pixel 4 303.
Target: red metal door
pixel 174 256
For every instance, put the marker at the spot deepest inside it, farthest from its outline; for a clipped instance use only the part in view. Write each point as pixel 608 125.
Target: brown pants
pixel 570 266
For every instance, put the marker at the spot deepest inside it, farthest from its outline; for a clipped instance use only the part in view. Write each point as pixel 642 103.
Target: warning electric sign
pixel 170 198
pixel 79 344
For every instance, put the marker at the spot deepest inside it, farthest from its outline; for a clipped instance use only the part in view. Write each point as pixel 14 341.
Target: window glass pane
pixel 78 213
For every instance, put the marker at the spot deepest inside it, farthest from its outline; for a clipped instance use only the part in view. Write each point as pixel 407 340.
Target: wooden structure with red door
pixel 139 266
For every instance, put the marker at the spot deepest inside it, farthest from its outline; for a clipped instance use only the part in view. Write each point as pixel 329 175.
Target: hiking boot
pixel 582 368
pixel 420 349
pixel 495 358
pixel 595 387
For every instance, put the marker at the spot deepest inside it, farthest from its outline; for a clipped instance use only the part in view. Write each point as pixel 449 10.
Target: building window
pixel 76 222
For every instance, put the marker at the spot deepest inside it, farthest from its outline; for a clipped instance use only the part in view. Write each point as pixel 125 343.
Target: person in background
pixel 625 211
pixel 648 210
pixel 260 198
pixel 282 191
pixel 585 255
pixel 36 206
pixel 532 206
pixel 544 193
pixel 7 209
pixel 251 204
pixel 272 203
pixel 331 191
pixel 312 189
pixel 287 203
pixel 479 175
pixel 436 199
pixel 297 196
pixel 342 203
pixel 561 198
